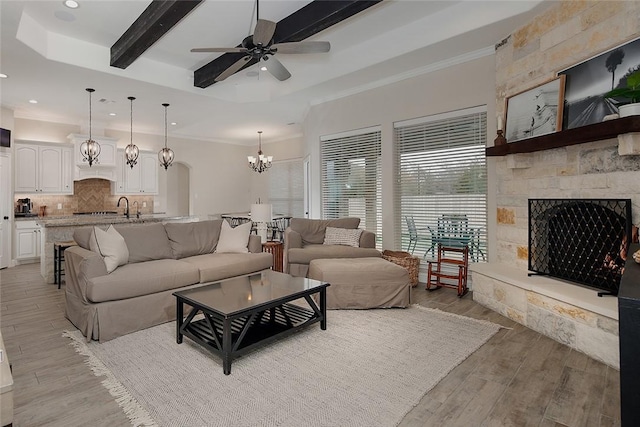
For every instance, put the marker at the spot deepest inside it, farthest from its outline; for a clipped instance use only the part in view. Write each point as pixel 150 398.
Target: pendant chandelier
pixel 90 149
pixel 166 154
pixel 262 163
pixel 131 151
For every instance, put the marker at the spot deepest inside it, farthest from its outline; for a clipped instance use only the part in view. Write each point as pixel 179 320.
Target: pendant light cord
pixel 165 124
pixel 131 98
pixel 90 91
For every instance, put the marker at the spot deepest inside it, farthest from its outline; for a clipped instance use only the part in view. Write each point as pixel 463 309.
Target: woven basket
pixel 406 260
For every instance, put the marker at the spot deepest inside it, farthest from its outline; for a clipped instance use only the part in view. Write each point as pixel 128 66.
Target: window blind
pixel 441 170
pixel 351 178
pixel 286 188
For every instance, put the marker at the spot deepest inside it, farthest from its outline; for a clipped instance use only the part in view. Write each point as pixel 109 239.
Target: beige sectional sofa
pixel 304 241
pixel 162 259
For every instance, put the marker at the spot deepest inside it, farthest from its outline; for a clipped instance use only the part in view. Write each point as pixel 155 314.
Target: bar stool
pixel 58 258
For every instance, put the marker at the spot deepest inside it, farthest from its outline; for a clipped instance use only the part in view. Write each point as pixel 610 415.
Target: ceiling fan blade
pixel 220 49
pixel 303 47
pixel 276 68
pixel 233 68
pixel 263 32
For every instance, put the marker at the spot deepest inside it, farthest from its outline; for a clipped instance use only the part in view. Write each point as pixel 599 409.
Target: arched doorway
pixel 178 189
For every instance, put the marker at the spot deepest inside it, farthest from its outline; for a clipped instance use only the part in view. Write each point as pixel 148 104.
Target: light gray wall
pixel 178 189
pixel 457 87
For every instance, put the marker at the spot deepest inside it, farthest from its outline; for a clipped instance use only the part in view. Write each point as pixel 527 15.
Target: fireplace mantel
pixel 580 135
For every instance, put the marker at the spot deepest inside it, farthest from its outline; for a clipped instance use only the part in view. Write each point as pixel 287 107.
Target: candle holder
pixel 500 139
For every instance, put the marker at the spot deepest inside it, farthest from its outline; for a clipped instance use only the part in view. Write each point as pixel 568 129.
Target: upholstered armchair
pixel 309 239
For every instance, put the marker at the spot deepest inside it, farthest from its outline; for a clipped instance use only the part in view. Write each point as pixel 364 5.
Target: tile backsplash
pixel 89 195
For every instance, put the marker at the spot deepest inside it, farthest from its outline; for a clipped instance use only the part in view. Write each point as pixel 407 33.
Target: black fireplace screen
pixel 580 240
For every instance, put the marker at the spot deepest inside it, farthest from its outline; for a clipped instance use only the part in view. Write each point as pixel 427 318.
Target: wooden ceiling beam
pixel 156 20
pixel 305 22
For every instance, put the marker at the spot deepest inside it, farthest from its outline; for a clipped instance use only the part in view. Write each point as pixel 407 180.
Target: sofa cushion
pixel 310 252
pixel 193 238
pixel 234 240
pixel 313 230
pixel 146 242
pixel 220 266
pixel 82 236
pixel 111 245
pixel 142 278
pixel 342 236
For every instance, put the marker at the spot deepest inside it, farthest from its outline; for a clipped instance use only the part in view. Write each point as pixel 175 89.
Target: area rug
pixel 369 368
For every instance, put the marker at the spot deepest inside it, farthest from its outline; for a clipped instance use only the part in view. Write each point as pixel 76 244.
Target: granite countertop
pixel 78 220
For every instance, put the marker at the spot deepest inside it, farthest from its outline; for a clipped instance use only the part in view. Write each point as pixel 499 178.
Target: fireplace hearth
pixel 584 241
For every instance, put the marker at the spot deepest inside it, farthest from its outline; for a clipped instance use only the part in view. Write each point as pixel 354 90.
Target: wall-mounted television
pixel 5 138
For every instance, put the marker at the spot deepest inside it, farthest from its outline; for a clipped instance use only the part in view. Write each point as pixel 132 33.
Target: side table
pixel 275 248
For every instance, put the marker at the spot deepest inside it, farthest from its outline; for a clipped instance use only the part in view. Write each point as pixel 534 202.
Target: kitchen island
pixel 61 228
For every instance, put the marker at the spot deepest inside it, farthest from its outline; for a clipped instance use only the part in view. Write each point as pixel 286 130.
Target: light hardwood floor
pixel 518 378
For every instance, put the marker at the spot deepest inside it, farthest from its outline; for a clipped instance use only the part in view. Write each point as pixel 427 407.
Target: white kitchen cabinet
pixel 27 240
pixel 149 179
pixel 42 169
pixel 141 179
pixel 27 160
pixel 67 170
pixel 50 171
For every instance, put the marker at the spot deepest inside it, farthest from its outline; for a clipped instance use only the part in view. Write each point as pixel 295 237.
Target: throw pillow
pixel 343 236
pixel 234 240
pixel 111 246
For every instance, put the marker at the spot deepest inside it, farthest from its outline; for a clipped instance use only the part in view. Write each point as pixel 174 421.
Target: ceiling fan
pixel 260 46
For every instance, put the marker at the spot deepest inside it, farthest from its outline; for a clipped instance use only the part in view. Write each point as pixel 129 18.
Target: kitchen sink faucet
pixel 126 206
pixel 135 203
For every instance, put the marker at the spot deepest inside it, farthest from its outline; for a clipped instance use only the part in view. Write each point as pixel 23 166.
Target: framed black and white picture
pixel 536 111
pixel 588 82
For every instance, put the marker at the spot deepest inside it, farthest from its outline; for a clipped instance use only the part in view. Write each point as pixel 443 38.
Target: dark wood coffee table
pixel 243 313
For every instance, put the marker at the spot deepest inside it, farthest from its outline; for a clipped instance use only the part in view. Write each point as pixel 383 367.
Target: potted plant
pixel 631 92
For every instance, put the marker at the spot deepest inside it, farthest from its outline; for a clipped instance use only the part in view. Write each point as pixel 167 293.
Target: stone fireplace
pixel 584 241
pixel 607 167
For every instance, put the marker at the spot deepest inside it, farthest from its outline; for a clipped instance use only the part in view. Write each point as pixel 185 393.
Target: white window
pixel 441 171
pixel 351 178
pixel 286 188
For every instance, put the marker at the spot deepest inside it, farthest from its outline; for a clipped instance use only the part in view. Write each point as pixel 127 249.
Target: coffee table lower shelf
pixel 257 333
pixel 246 332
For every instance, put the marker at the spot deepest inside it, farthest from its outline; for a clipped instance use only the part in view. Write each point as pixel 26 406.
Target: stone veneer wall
pixel 566 34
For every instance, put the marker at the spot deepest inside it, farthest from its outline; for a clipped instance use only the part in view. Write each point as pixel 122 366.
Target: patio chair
pixel 414 237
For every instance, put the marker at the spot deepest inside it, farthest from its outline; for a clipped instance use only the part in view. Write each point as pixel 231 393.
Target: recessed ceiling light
pixel 33 101
pixel 263 68
pixel 112 114
pixel 71 4
pixel 3 76
pixel 173 123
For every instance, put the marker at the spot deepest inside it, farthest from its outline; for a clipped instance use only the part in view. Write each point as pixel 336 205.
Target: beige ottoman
pixel 362 282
